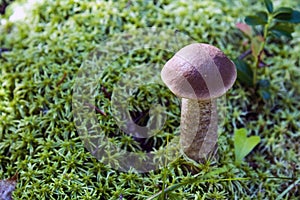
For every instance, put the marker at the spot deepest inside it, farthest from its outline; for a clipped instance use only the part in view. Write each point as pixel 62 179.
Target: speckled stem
pixel 199 126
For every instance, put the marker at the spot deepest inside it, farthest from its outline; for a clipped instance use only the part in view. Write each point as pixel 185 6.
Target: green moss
pixel 39 140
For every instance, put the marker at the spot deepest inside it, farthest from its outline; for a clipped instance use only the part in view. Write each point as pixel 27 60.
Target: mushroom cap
pixel 199 71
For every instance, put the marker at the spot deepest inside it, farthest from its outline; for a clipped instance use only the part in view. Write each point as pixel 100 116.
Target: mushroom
pixel 199 73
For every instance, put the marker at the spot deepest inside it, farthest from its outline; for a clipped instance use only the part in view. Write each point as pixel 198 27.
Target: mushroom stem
pixel 199 128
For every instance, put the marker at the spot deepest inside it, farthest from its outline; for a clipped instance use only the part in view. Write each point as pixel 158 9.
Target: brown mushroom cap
pixel 199 71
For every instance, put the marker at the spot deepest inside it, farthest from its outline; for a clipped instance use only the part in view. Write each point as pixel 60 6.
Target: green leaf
pixel 255 20
pixel 280 30
pixel 285 14
pixel 264 83
pixel 264 89
pixel 295 17
pixel 263 16
pixel 243 145
pixel 269 5
pixel 280 33
pixel 256 43
pixel 265 94
pixel 283 10
pixel 244 72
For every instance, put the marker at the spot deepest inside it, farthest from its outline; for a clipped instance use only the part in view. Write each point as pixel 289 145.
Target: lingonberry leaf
pixel 244 72
pixel 283 10
pixel 256 45
pixel 280 30
pixel 285 14
pixel 295 17
pixel 263 16
pixel 255 20
pixel 264 89
pixel 265 94
pixel 269 5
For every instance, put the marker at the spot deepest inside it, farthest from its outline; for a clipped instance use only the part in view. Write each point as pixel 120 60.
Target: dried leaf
pixel 244 28
pixel 7 187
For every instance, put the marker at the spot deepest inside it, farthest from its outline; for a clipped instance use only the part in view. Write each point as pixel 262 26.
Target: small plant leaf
pixel 264 89
pixel 265 94
pixel 244 72
pixel 256 43
pixel 254 20
pixel 280 30
pixel 289 28
pixel 295 17
pixel 283 10
pixel 264 83
pixel 269 5
pixel 263 16
pixel 280 33
pixel 285 14
pixel 246 29
pixel 243 145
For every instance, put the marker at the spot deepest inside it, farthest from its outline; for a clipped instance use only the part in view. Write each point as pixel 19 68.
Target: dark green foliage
pixel 285 14
pixel 269 5
pixel 261 18
pixel 282 30
pixel 279 24
pixel 244 72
